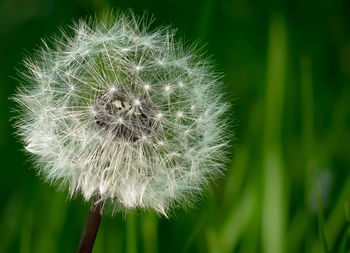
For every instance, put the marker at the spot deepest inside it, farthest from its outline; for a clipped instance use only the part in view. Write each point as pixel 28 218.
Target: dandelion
pixel 118 113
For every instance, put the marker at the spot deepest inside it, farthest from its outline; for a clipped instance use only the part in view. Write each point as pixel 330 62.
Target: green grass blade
pixel 321 222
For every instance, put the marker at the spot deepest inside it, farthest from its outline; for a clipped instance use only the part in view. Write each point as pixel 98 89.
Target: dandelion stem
pixel 91 227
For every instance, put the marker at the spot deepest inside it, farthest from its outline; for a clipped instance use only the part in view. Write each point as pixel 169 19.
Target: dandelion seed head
pixel 95 118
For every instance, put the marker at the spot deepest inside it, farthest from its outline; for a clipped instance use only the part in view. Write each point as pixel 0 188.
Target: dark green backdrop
pixel 287 189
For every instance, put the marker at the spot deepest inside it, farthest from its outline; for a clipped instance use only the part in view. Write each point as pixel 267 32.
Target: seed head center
pixel 128 118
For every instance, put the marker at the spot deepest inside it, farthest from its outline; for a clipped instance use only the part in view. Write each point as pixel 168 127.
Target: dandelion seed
pixel 137 102
pixel 167 88
pixel 138 68
pixel 159 115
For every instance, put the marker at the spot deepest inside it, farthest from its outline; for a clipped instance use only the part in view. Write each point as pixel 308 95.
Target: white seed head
pixel 103 115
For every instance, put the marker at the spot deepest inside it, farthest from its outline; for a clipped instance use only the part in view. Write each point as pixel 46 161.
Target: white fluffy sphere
pixel 120 113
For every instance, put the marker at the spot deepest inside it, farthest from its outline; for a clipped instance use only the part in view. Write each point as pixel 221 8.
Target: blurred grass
pixel 287 64
pixel 274 198
pixel 321 226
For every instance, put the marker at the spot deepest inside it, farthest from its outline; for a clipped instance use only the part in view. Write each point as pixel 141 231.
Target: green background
pixel 287 187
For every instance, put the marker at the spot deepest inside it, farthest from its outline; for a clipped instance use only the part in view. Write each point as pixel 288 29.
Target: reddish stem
pixel 91 228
